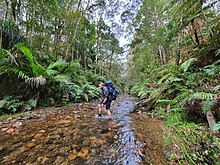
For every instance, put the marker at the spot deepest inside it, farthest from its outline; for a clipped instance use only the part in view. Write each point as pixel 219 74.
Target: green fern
pixel 162 102
pixel 203 96
pixel 181 97
pixel 207 105
pixel 187 64
pixel 216 88
pixel 62 78
pixel 164 78
pixel 217 126
pixel 30 104
pixel 17 71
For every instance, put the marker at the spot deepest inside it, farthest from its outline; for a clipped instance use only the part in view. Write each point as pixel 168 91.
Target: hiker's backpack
pixel 112 91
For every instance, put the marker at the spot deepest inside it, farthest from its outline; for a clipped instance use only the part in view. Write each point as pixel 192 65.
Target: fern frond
pixel 17 71
pixel 57 64
pixel 216 88
pixel 184 95
pixel 217 126
pixel 62 78
pixel 30 104
pixel 186 65
pixel 167 76
pixel 162 102
pixel 203 96
pixel 51 72
pixel 4 101
pixel 207 105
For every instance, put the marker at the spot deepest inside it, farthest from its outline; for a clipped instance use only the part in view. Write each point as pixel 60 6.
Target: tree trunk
pixel 6 13
pixel 58 35
pixel 110 65
pixel 195 34
pixel 13 9
pixel 211 120
pixel 178 49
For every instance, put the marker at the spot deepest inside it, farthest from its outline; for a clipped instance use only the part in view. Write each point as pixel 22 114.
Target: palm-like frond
pixel 186 65
pixel 17 71
pixel 57 64
pixel 62 78
pixel 36 68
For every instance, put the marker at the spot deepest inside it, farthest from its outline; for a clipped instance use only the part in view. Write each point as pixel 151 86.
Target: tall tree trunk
pixel 178 49
pixel 13 9
pixel 160 54
pixel 195 34
pixel 97 46
pixel 58 35
pixel 111 58
pixel 6 13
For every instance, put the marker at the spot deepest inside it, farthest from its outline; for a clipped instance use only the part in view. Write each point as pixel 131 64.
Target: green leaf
pixel 186 65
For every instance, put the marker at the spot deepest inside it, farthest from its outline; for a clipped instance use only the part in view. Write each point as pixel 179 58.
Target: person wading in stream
pixel 105 101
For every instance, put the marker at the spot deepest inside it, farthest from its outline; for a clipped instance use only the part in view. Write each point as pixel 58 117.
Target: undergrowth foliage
pixel 190 93
pixel 56 84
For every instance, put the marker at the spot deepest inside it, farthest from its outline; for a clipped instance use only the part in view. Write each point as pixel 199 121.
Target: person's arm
pixel 106 92
pixel 105 99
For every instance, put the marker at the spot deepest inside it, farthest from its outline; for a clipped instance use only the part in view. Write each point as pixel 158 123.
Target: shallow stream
pixel 74 135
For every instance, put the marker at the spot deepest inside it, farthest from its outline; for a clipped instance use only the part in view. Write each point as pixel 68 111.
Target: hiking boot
pixel 99 115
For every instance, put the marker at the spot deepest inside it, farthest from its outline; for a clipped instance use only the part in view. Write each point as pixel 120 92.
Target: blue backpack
pixel 112 91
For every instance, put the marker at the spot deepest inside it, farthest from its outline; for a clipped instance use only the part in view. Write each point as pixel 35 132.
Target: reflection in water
pixel 126 150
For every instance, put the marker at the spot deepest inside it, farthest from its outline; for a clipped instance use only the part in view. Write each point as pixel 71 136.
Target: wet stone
pixel 59 160
pixel 4 129
pixel 1 147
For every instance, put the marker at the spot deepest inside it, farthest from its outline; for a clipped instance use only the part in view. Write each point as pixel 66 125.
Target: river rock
pixel 84 153
pixel 1 147
pixel 31 144
pixel 86 143
pixel 59 160
pixel 4 129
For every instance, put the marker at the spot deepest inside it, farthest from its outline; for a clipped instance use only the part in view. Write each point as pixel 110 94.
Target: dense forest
pixel 55 52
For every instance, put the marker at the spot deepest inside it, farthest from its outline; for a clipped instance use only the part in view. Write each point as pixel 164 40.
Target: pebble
pixel 4 129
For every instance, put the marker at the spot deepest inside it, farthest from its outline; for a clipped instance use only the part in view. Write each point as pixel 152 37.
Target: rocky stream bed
pixel 74 135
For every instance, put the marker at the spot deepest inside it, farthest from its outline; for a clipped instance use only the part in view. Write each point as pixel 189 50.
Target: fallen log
pixel 148 103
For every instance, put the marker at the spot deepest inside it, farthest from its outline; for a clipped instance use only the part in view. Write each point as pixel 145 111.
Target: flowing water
pixel 74 135
pixel 125 150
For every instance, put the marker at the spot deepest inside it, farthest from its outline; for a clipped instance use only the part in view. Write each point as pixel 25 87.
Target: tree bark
pixel 148 103
pixel 110 65
pixel 195 34
pixel 211 120
pixel 178 49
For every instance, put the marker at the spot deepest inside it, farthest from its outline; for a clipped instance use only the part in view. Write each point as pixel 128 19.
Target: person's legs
pixel 100 109
pixel 107 106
